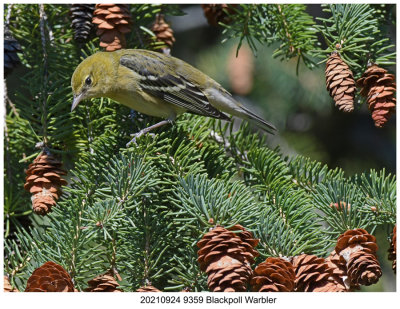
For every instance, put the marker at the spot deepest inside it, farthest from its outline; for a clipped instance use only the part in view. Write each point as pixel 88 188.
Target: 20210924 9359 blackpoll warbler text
pixel 156 85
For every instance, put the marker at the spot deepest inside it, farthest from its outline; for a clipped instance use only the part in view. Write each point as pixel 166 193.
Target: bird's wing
pixel 170 87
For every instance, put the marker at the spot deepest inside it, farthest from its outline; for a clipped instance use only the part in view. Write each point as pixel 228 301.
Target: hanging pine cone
pixel 113 22
pixel 43 181
pixel 147 288
pixel 103 283
pixel 358 248
pixel 50 277
pixel 273 275
pixel 163 32
pixel 11 48
pixel 312 273
pixel 215 13
pixel 339 281
pixel 8 287
pixel 379 87
pixel 340 82
pixel 226 258
pixel 81 16
pixel 392 250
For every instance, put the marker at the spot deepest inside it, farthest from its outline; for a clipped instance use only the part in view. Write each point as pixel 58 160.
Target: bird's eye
pixel 88 81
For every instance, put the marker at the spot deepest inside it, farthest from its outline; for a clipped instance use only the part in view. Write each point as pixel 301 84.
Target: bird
pixel 157 85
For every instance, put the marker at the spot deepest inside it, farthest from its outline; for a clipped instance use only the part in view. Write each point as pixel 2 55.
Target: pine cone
pixel 11 48
pixel 340 82
pixel 226 258
pixel 247 237
pixel 358 248
pixel 215 13
pixel 163 32
pixel 8 287
pixel 103 283
pixel 113 22
pixel 50 277
pixel 312 273
pixel 273 275
pixel 339 281
pixel 82 15
pixel 147 288
pixel 44 181
pixel 392 250
pixel 379 88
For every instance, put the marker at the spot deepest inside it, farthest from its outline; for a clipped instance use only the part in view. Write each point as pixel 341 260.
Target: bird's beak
pixel 77 99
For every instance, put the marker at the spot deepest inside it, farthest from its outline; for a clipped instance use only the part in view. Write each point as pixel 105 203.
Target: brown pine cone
pixel 44 181
pixel 339 281
pixel 163 32
pixel 379 87
pixel 273 275
pixel 363 268
pixel 340 82
pixel 113 22
pixel 226 258
pixel 392 250
pixel 312 273
pixel 8 287
pixel 247 237
pixel 50 277
pixel 215 13
pixel 358 248
pixel 103 283
pixel 147 288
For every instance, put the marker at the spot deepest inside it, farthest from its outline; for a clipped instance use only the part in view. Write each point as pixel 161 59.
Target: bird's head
pixel 93 77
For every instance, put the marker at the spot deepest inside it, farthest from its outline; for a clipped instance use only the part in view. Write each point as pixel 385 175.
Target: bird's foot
pixel 137 135
pixel 148 129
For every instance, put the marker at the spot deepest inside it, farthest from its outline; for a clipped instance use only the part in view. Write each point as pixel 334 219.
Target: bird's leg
pixel 148 129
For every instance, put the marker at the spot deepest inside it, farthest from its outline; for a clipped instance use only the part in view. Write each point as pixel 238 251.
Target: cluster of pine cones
pixel 226 258
pixel 226 255
pixel 376 85
pixel 113 22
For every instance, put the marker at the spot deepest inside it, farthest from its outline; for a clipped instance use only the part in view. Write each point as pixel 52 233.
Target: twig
pixel 7 100
pixel 6 137
pixel 286 27
pixel 50 32
pixel 114 259
pixel 42 15
pixel 227 146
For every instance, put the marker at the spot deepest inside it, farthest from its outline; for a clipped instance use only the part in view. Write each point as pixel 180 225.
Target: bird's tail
pixel 257 120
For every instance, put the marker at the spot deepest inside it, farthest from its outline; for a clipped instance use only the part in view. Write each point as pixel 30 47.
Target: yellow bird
pixel 157 85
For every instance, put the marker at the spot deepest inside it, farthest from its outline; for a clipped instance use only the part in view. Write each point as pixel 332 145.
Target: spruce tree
pixel 137 213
